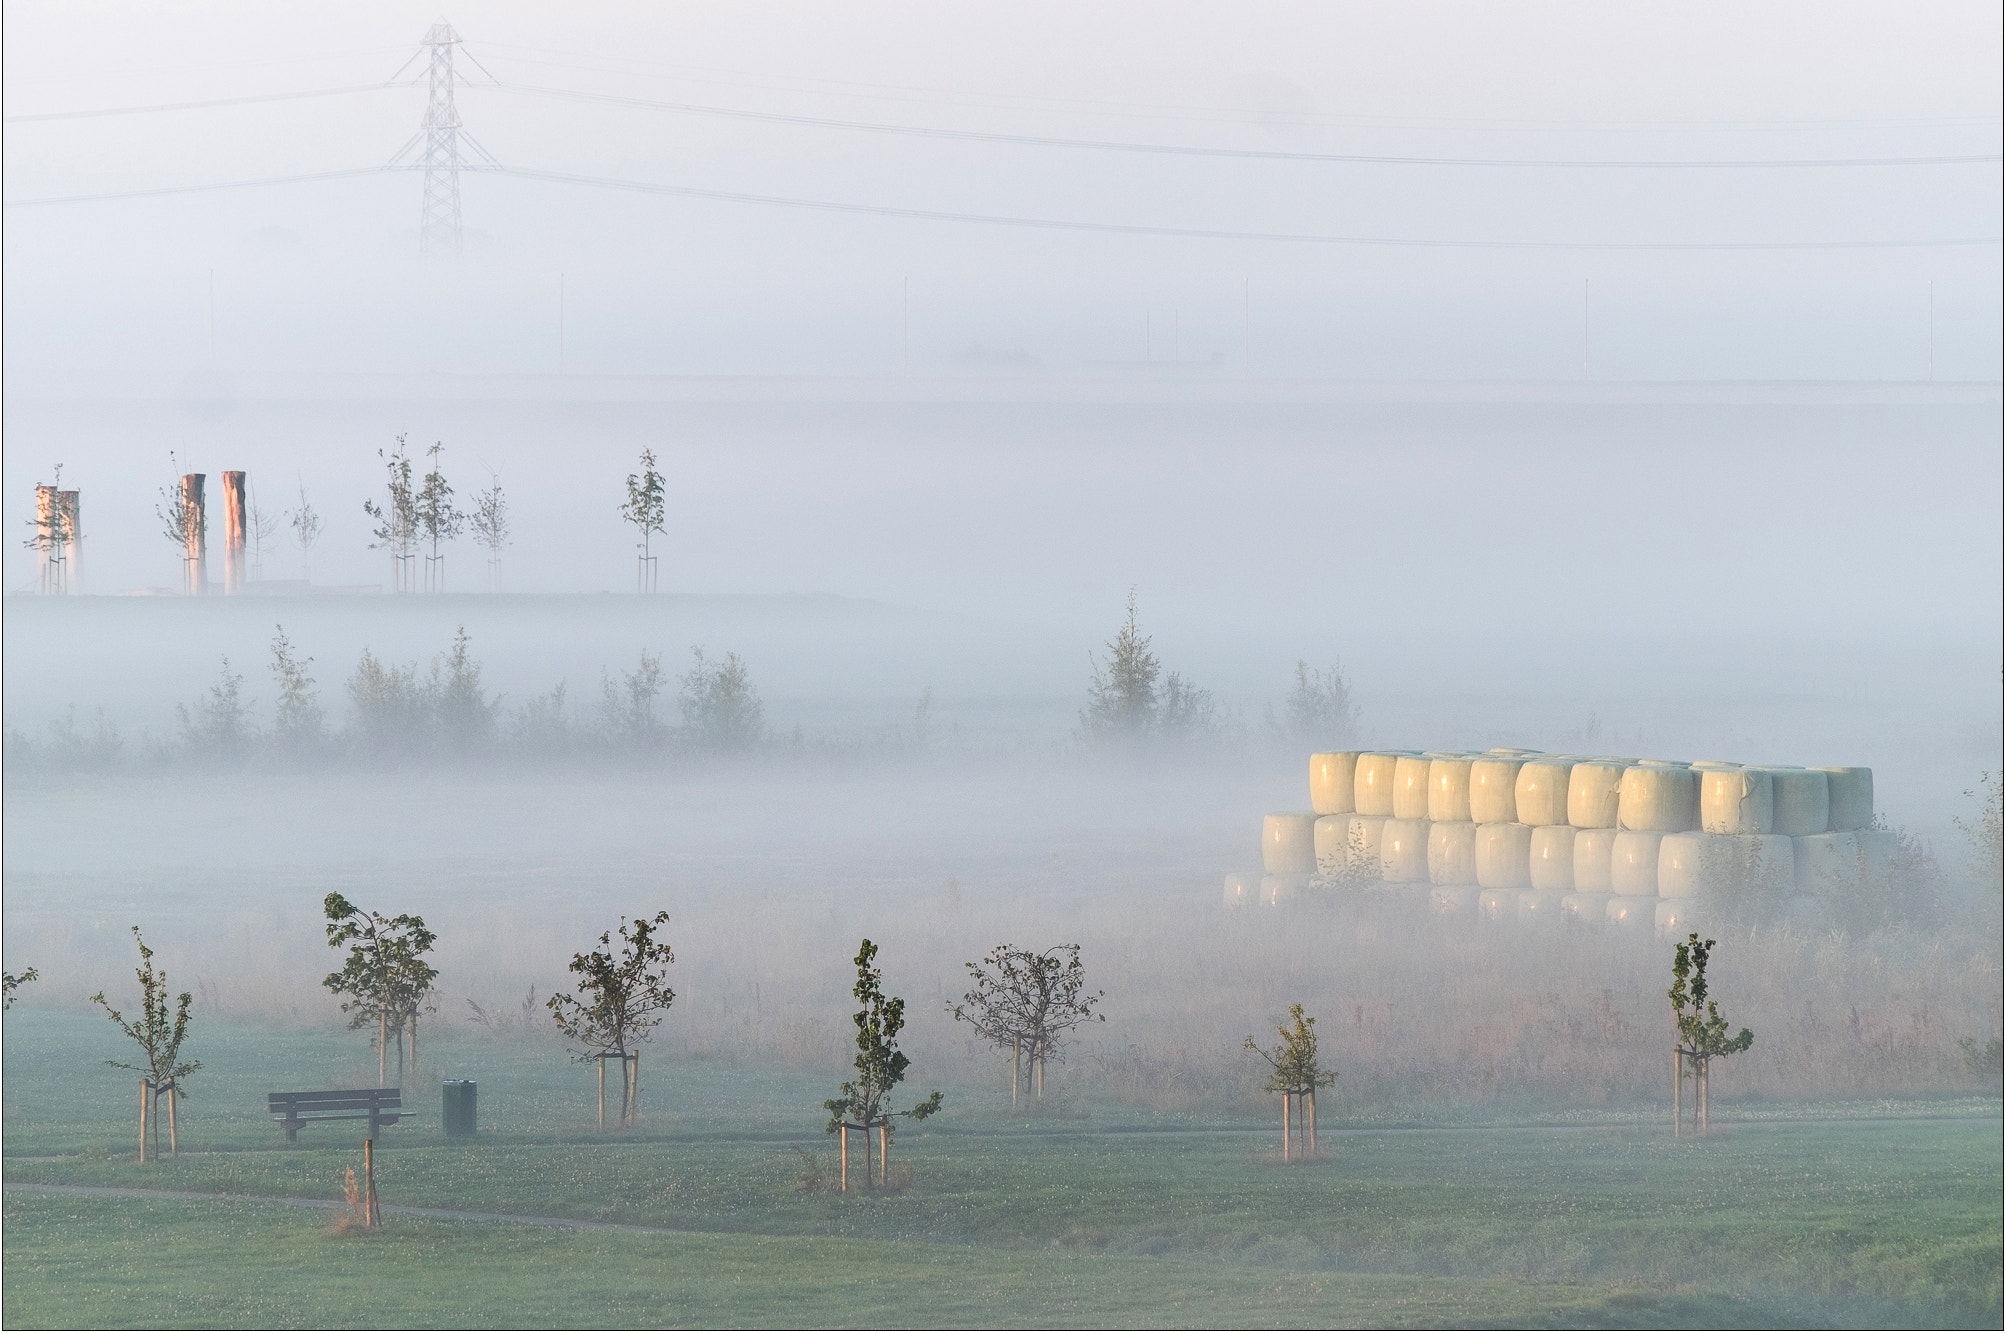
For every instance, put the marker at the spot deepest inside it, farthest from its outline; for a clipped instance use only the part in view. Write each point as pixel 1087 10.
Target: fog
pixel 1530 481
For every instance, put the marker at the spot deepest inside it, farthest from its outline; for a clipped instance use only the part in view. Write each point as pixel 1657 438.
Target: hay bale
pixel 1765 864
pixel 1539 793
pixel 1592 849
pixel 1504 856
pixel 1278 890
pixel 1828 864
pixel 1453 900
pixel 1362 836
pixel 1449 789
pixel 1539 905
pixel 1288 843
pixel 1373 781
pixel 1802 799
pixel 1587 908
pixel 1633 863
pixel 1592 789
pixel 1630 912
pixel 1242 889
pixel 1676 918
pixel 1737 800
pixel 1658 798
pixel 1403 851
pixel 1493 780
pixel 1410 786
pixel 1332 840
pixel 1552 857
pixel 1498 904
pixel 1331 775
pixel 1452 852
pixel 1690 862
pixel 1849 796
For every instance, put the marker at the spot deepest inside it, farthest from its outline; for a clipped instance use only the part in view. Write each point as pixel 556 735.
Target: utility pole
pixel 560 321
pixel 439 230
pixel 1246 318
pixel 1584 328
pixel 905 324
pixel 1932 330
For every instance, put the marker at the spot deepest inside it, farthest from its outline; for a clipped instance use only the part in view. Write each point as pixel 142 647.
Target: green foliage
pixel 11 984
pixel 1294 1062
pixel 879 1062
pixel 1702 1030
pixel 219 723
pixel 432 507
pixel 389 706
pixel 463 712
pixel 397 519
pixel 158 1033
pixel 385 974
pixel 721 710
pixel 305 523
pixel 1319 713
pixel 621 996
pixel 298 724
pixel 646 506
pixel 1987 833
pixel 1130 700
pixel 1986 1062
pixel 627 710
pixel 1026 997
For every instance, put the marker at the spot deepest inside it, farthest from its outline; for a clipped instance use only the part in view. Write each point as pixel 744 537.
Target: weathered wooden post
pixel 884 1152
pixel 843 1139
pixel 195 533
pixel 1016 1068
pixel 1285 1125
pixel 602 1092
pixel 372 1215
pixel 1311 1125
pixel 173 1132
pixel 1700 1097
pixel 233 533
pixel 145 1101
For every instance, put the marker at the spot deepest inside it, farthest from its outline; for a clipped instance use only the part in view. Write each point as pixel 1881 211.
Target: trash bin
pixel 462 1096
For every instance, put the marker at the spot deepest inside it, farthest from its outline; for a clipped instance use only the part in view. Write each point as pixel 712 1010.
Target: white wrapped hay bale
pixel 1332 839
pixel 1507 752
pixel 1539 793
pixel 1504 856
pixel 1765 865
pixel 1587 908
pixel 1452 853
pixel 1454 900
pixel 1288 843
pixel 1539 905
pixel 1593 786
pixel 1277 890
pixel 1403 851
pixel 1803 801
pixel 1410 786
pixel 1497 904
pixel 1242 890
pixel 1736 800
pixel 1331 777
pixel 1689 863
pixel 1551 857
pixel 1373 782
pixel 1849 797
pixel 1362 836
pixel 1633 863
pixel 1658 798
pixel 1629 912
pixel 1676 918
pixel 1828 864
pixel 1593 848
pixel 1493 784
pixel 1449 790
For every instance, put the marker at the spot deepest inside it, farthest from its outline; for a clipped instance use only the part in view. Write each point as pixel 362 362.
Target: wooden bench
pixel 379 1106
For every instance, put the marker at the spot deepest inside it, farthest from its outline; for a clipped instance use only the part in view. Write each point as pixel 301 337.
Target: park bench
pixel 379 1106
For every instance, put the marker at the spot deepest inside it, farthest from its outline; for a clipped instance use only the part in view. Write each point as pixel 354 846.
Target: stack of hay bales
pixel 1517 834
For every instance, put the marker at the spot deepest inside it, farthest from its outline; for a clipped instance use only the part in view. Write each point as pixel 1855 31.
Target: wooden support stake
pixel 145 1101
pixel 1285 1126
pixel 1312 1122
pixel 884 1152
pixel 843 1136
pixel 173 1136
pixel 602 1093
pixel 372 1215
pixel 1016 1068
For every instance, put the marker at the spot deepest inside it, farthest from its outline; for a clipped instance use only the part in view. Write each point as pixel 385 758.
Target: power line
pixel 197 106
pixel 161 190
pixel 1188 150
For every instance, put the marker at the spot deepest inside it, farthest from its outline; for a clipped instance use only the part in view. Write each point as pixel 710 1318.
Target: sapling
pixel 1028 1002
pixel 646 507
pixel 490 522
pixel 397 518
pixel 305 524
pixel 385 975
pixel 880 1066
pixel 159 1035
pixel 622 997
pixel 1702 1032
pixel 1296 1075
pixel 437 520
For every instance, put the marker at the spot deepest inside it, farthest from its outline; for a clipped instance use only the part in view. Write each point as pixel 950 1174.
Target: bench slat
pixel 328 1105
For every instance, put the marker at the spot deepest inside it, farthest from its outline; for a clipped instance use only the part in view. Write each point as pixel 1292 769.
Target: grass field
pixel 1092 1214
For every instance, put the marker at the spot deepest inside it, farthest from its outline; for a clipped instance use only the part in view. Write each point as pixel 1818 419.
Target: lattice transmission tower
pixel 440 142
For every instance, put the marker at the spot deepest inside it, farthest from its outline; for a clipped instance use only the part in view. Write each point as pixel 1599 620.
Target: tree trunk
pixel 382 1047
pixel 1312 1122
pixel 602 1094
pixel 843 1177
pixel 885 1153
pixel 414 1047
pixel 1678 1079
pixel 145 1102
pixel 1285 1126
pixel 372 1214
pixel 867 1154
pixel 1703 1094
pixel 1016 1068
pixel 634 1089
pixel 1040 1057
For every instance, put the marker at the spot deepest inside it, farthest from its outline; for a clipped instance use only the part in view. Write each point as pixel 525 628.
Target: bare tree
pixel 397 517
pixel 1319 712
pixel 880 1066
pixel 622 997
pixel 646 507
pixel 159 1036
pixel 305 524
pixel 1701 1031
pixel 264 526
pixel 490 522
pixel 1296 1075
pixel 1028 1002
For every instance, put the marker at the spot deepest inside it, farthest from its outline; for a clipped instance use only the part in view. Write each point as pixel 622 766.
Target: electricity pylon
pixel 440 138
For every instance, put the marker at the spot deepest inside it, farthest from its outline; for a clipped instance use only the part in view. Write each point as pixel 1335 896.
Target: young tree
pixel 305 524
pixel 10 985
pixel 397 518
pixel 159 1036
pixel 264 527
pixel 1028 1002
pixel 53 524
pixel 628 710
pixel 465 714
pixel 298 724
pixel 1319 712
pixel 1701 1031
pixel 621 998
pixel 1121 701
pixel 1296 1076
pixel 219 723
pixel 385 975
pixel 438 520
pixel 489 520
pixel 186 525
pixel 390 713
pixel 880 1066
pixel 646 508
pixel 721 710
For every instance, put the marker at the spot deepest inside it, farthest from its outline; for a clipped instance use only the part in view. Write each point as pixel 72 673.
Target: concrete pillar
pixel 233 532
pixel 195 532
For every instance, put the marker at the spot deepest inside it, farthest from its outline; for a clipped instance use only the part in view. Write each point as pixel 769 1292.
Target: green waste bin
pixel 462 1096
